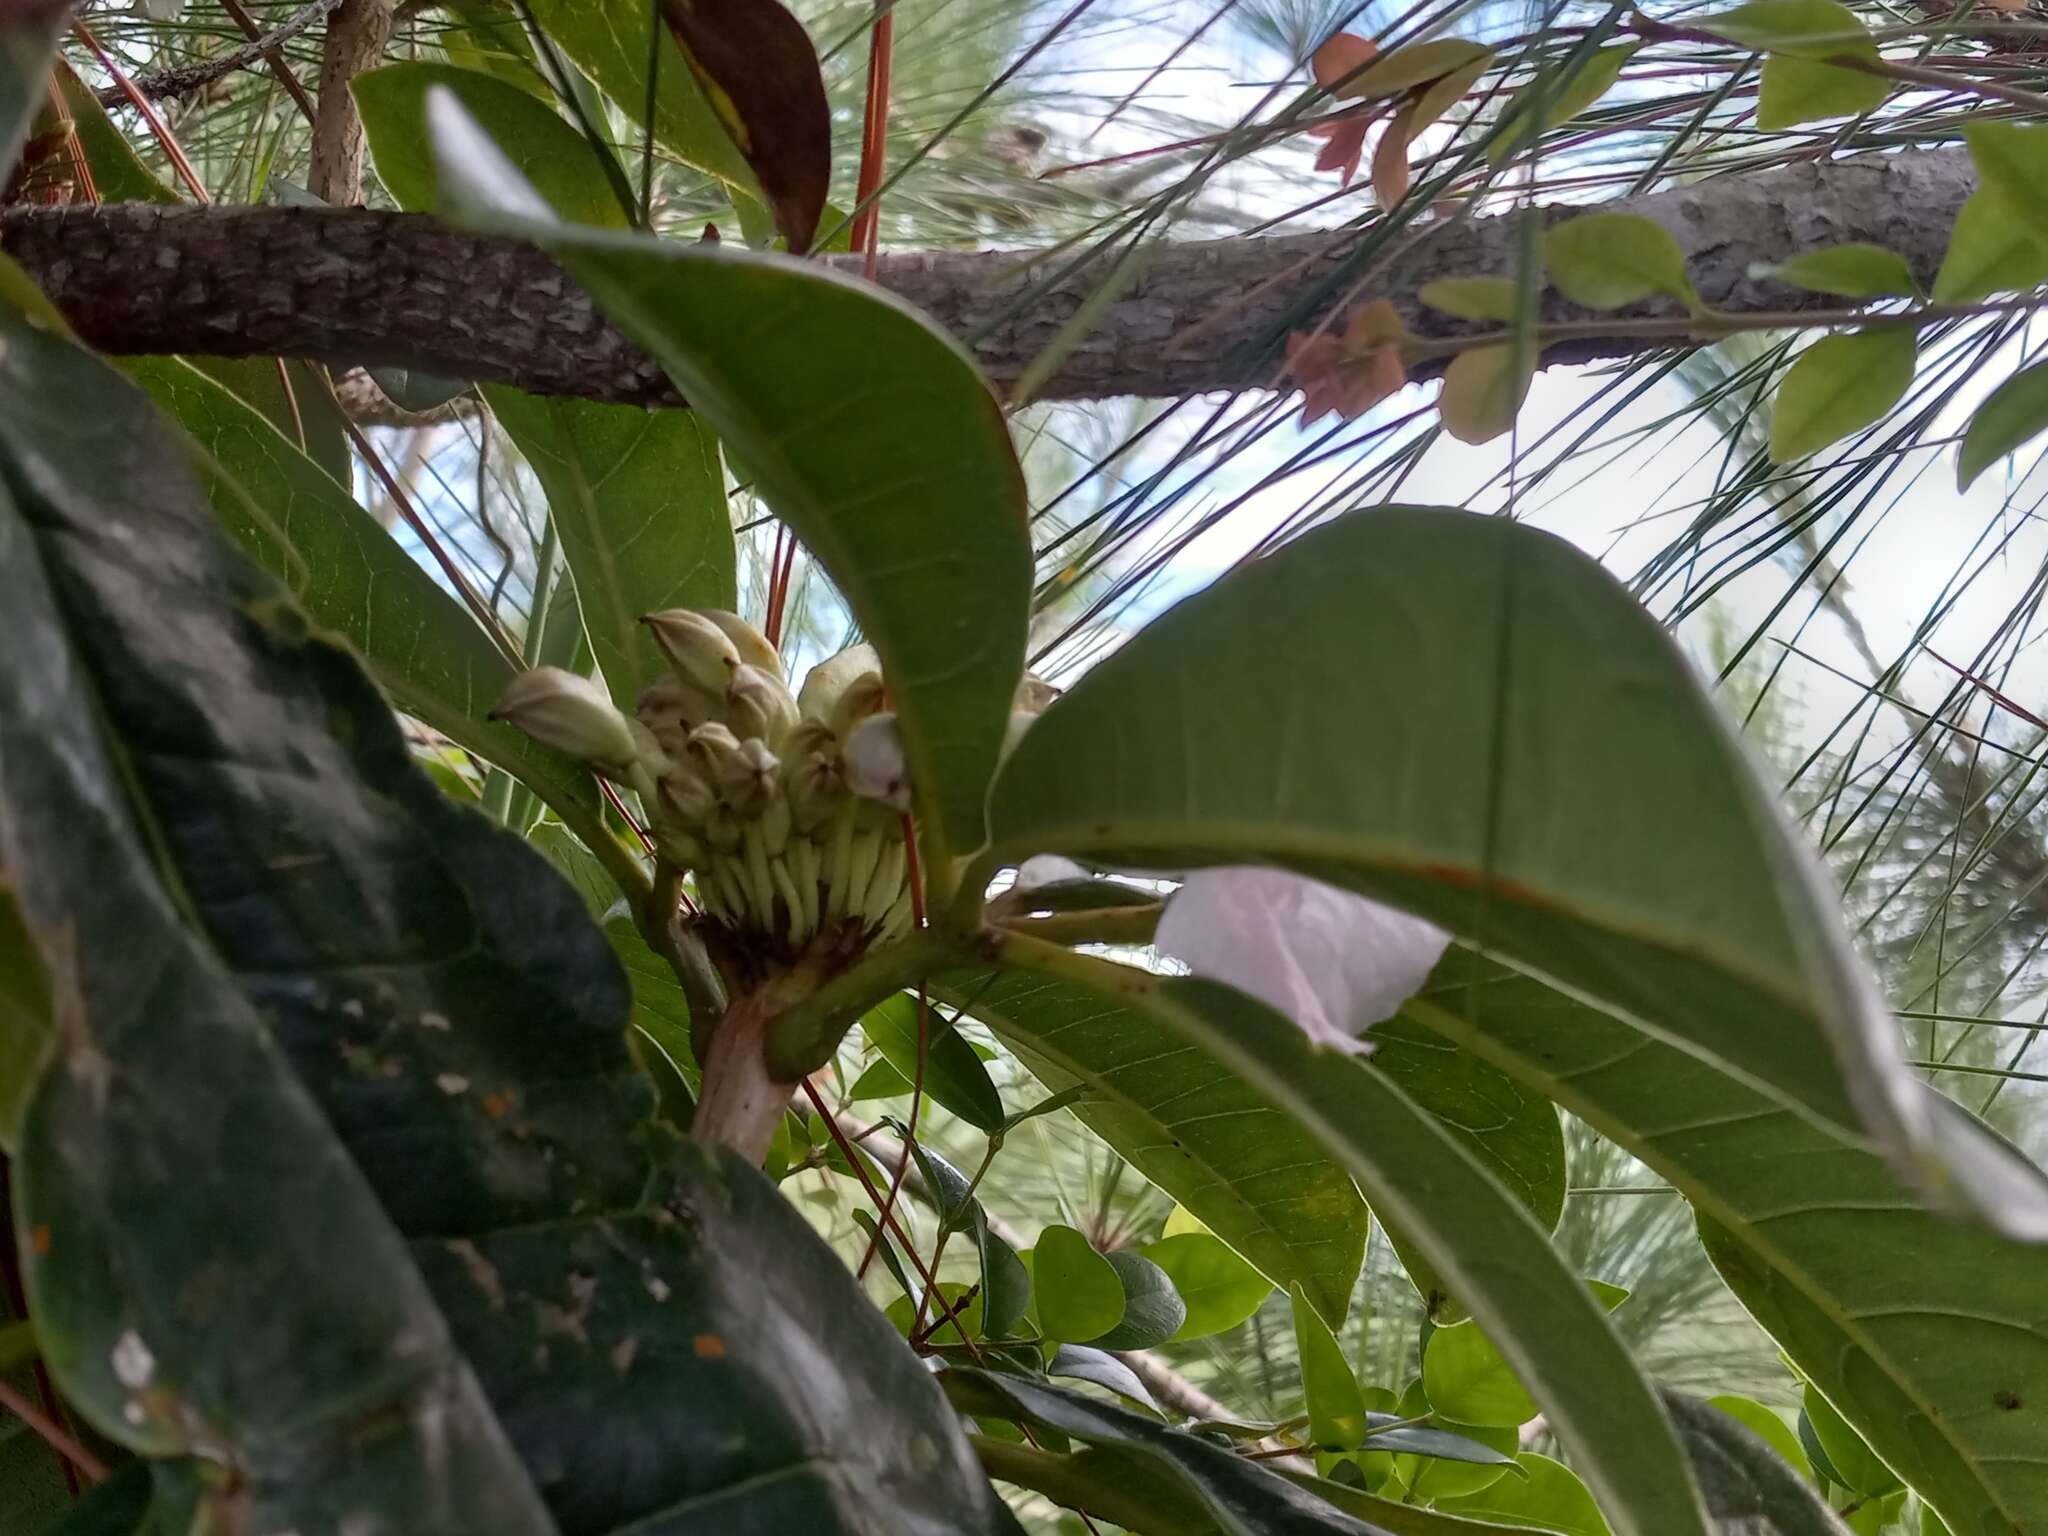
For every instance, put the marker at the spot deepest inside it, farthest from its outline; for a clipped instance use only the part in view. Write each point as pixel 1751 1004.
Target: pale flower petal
pixel 1334 962
pixel 876 766
pixel 1046 869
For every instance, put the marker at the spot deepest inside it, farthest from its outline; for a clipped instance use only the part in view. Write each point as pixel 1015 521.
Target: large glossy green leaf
pixel 1511 1130
pixel 1189 1125
pixel 1923 1333
pixel 953 1075
pixel 637 497
pixel 351 577
pixel 867 430
pixel 1497 1257
pixel 1473 720
pixel 342 1112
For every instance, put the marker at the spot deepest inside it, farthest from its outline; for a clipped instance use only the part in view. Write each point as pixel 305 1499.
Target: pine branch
pixel 348 286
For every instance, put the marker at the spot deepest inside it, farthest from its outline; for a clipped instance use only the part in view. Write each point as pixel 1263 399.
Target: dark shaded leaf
pixel 1749 1491
pixel 1153 1310
pixel 758 70
pixel 953 1075
pixel 432 999
pixel 1084 1363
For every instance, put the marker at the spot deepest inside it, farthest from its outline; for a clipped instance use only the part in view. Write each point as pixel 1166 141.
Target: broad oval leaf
pixel 1472 298
pixel 1336 1406
pixel 1539 803
pixel 1467 1380
pixel 1550 1498
pixel 1192 1127
pixel 1989 251
pixel 361 1058
pixel 1929 1358
pixel 1079 1294
pixel 1798 34
pixel 1840 385
pixel 1496 1256
pixel 1858 270
pixel 2011 416
pixel 901 478
pixel 1153 1310
pixel 1218 1288
pixel 1608 260
pixel 1483 392
pixel 2012 163
pixel 1588 83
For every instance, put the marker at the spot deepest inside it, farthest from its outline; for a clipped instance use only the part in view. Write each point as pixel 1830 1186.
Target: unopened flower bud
pixel 876 767
pixel 829 679
pixel 711 748
pixel 753 646
pixel 759 706
pixel 685 798
pixel 571 714
pixel 696 649
pixel 750 776
pixel 669 701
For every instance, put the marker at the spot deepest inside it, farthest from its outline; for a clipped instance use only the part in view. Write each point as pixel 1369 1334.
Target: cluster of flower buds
pixel 789 810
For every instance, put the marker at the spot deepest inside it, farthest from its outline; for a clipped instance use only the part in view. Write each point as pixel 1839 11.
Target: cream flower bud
pixel 876 767
pixel 759 706
pixel 696 649
pixel 829 679
pixel 685 798
pixel 669 701
pixel 571 714
pixel 749 778
pixel 753 646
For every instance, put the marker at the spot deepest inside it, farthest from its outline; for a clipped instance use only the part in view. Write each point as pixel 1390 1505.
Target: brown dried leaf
pixel 1341 57
pixel 1390 159
pixel 1345 146
pixel 1335 377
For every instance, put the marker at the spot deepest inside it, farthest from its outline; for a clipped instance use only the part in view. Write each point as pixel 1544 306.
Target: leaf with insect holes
pixel 1840 385
pixel 1858 270
pixel 1483 391
pixel 1608 260
pixel 2014 413
pixel 1589 82
pixel 2012 161
pixel 756 66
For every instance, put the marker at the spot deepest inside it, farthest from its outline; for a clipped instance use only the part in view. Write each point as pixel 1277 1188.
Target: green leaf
pixel 1858 270
pixel 2011 416
pixel 879 1081
pixel 1514 1133
pixel 358 1058
pixel 2012 163
pixel 1855 1465
pixel 1765 1424
pixel 1471 298
pixel 1460 1477
pixel 1588 83
pixel 1551 1498
pixel 1079 1294
pixel 28 42
pixel 638 498
pixel 1467 1380
pixel 1219 1289
pixel 1931 1359
pixel 1416 64
pixel 548 151
pixel 1243 1497
pixel 1797 33
pixel 351 577
pixel 118 174
pixel 1492 1252
pixel 1192 1127
pixel 1989 251
pixel 901 481
pixel 1483 392
pixel 963 1320
pixel 1840 385
pixel 1153 1310
pixel 24 1019
pixel 1005 1280
pixel 610 41
pixel 1336 1407
pixel 1081 1363
pixel 1540 803
pixel 1608 260
pixel 953 1075
pixel 1746 1487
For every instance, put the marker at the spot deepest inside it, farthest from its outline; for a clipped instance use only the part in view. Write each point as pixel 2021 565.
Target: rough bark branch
pixel 354 287
pixel 356 35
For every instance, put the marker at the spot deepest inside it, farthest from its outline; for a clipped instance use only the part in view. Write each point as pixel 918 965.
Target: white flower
pixel 1334 962
pixel 1046 869
pixel 875 763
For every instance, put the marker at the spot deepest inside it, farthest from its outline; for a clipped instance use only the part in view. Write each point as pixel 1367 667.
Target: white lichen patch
pixel 435 1021
pixel 452 1083
pixel 133 1364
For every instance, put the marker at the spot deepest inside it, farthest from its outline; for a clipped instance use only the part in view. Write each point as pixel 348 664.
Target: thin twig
pixel 59 1440
pixel 185 79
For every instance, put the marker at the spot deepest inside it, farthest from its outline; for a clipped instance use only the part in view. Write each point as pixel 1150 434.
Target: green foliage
pixel 1856 271
pixel 1231 1155
pixel 1550 1498
pixel 1471 298
pixel 2012 163
pixel 1798 35
pixel 1079 1293
pixel 1336 1408
pixel 1990 250
pixel 1608 260
pixel 1558 103
pixel 458 1267
pixel 1839 385
pixel 1484 388
pixel 1219 1289
pixel 953 1075
pixel 2011 416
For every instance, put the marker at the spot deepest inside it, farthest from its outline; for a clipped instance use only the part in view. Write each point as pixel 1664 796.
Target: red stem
pixel 866 237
